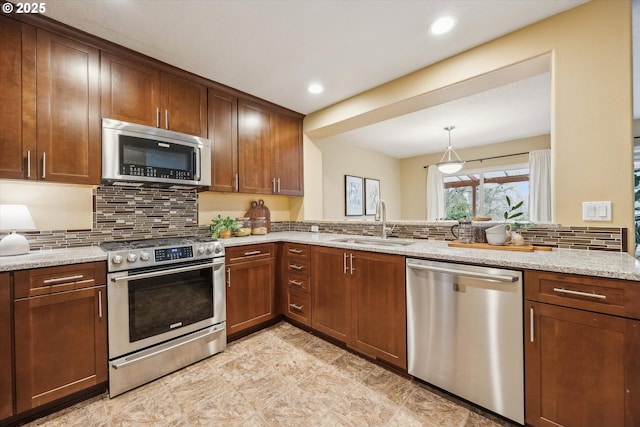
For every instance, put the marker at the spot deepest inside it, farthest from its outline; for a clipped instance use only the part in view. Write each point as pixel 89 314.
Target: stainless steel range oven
pixel 166 307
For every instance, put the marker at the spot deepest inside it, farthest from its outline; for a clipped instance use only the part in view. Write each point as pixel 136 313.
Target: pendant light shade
pixel 450 162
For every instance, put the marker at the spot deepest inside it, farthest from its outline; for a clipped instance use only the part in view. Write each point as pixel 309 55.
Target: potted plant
pixel 222 227
pixel 510 213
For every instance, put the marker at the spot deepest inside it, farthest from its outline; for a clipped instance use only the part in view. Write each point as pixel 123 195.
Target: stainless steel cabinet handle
pixel 28 163
pixel 578 293
pixel 44 165
pixel 296 267
pixel 295 282
pixel 237 183
pixel 531 331
pixel 63 279
pixel 297 307
pixel 278 185
pixel 273 185
pixel 497 277
pixel 229 277
pixel 352 268
pixel 252 253
pixel 100 303
pixel 295 251
pixel 166 119
pixel 157 117
pixel 344 264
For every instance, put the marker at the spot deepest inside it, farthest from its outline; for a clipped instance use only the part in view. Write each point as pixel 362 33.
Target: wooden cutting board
pixel 523 248
pixel 257 210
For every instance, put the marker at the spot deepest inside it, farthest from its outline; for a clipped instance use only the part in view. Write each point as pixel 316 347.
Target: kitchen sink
pixel 373 241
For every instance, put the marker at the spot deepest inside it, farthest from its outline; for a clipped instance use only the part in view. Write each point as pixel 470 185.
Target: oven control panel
pixel 166 254
pixel 127 259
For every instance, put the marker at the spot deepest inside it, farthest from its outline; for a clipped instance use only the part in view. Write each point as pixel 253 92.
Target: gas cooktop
pixel 144 253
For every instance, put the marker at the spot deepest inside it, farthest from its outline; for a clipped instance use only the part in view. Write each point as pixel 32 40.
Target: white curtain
pixel 435 193
pixel 540 186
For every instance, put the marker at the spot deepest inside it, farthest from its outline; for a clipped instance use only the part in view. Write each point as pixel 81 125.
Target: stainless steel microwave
pixel 142 155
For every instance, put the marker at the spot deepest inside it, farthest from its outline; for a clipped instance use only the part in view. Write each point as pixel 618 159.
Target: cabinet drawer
pixel 50 280
pixel 298 282
pixel 609 296
pixel 298 266
pixel 299 306
pixel 249 252
pixel 296 250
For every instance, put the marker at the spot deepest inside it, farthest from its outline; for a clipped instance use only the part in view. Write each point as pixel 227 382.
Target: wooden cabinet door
pixel 130 91
pixel 581 368
pixel 223 132
pixel 68 109
pixel 184 105
pixel 286 154
pixel 250 294
pixel 17 100
pixel 6 348
pixel 330 279
pixel 254 148
pixel 378 307
pixel 60 345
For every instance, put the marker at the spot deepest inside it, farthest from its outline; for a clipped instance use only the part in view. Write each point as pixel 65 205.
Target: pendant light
pixel 450 162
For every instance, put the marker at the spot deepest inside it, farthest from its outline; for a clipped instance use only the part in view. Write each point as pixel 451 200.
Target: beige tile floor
pixel 281 376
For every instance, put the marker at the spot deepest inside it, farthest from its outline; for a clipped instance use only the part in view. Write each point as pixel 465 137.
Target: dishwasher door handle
pixel 456 272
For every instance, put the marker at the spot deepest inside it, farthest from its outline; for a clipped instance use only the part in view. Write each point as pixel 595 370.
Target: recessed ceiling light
pixel 315 88
pixel 442 25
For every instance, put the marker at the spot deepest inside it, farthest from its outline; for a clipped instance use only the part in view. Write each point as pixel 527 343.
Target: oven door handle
pixel 166 272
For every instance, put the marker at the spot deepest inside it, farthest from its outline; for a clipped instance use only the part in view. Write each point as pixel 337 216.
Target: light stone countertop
pixel 52 257
pixel 618 265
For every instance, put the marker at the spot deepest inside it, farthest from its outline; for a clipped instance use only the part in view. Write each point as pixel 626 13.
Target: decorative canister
pixel 479 227
pixel 259 225
pixel 244 227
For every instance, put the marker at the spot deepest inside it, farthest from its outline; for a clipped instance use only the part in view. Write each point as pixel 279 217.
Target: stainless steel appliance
pixel 165 305
pixel 464 333
pixel 137 155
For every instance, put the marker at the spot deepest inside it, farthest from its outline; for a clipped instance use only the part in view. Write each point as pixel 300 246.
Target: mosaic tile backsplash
pixel 122 213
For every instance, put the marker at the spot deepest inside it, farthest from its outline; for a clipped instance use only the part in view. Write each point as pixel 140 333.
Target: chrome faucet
pixel 381 211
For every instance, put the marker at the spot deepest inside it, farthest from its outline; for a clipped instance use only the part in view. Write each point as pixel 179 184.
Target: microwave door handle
pixel 197 154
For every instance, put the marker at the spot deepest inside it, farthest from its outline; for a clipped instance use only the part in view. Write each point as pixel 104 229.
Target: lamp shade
pixel 15 217
pixel 12 218
pixel 450 162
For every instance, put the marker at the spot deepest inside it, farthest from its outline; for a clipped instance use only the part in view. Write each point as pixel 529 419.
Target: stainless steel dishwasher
pixel 464 333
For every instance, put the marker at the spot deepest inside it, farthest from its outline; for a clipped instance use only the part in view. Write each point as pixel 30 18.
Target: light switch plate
pixel 596 211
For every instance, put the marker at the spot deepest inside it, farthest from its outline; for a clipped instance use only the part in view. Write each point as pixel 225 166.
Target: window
pixel 482 193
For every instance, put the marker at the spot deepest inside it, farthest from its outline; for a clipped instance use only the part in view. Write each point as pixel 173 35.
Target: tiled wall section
pixel 590 238
pixel 122 213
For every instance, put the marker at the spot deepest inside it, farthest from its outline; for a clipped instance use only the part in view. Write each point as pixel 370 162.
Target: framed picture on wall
pixel 353 195
pixel 372 195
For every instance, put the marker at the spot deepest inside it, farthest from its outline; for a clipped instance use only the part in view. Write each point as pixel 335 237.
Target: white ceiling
pixel 274 49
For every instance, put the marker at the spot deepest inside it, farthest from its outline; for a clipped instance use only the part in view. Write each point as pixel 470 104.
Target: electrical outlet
pixel 314 228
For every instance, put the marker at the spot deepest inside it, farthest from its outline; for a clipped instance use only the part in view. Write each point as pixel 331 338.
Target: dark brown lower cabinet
pixel 6 348
pixel 359 298
pixel 582 367
pixel 60 332
pixel 250 286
